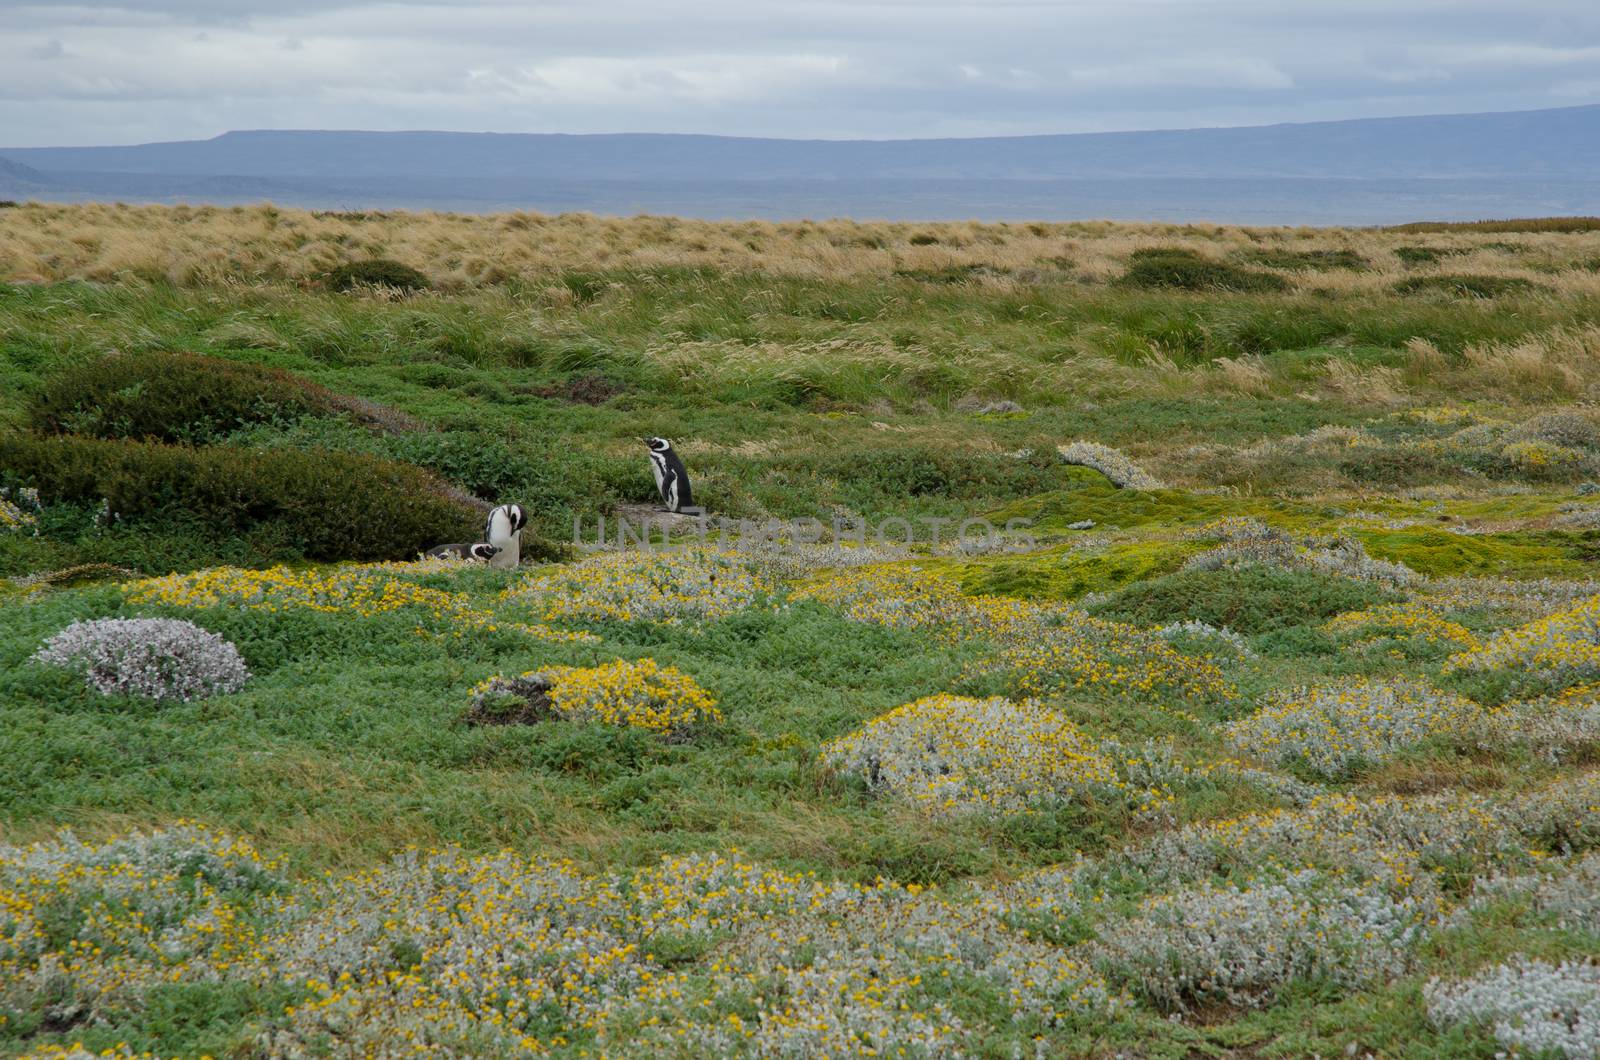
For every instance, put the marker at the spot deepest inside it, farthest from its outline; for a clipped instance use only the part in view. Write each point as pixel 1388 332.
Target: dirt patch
pixel 511 701
pixel 580 390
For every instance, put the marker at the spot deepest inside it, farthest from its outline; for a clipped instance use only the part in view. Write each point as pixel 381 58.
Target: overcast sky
pixel 182 69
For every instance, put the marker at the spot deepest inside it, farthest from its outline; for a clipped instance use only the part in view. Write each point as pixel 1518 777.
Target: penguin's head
pixel 514 516
pixel 658 445
pixel 482 551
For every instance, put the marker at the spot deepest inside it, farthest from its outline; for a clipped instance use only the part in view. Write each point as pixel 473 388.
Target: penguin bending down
pixel 501 531
pixel 672 478
pixel 479 551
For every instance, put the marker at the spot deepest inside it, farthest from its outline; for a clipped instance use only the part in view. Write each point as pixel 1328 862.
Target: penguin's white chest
pixel 507 540
pixel 658 465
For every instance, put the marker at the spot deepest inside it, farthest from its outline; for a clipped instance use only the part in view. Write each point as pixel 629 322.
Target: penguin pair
pixel 672 478
pixel 501 547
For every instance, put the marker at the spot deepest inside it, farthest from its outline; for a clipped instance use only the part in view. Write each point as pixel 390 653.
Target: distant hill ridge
pixel 1548 143
pixel 1362 171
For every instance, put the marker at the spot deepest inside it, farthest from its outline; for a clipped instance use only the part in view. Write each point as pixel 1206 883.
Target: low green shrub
pixel 950 273
pixel 1418 255
pixel 172 397
pixel 1301 260
pixel 319 505
pixel 1466 285
pixel 871 476
pixel 1248 600
pixel 375 272
pixel 1177 268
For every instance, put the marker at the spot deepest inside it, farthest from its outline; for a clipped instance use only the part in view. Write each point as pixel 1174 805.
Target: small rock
pixel 1081 524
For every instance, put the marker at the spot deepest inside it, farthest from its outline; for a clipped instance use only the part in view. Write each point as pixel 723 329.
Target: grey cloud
pixel 164 69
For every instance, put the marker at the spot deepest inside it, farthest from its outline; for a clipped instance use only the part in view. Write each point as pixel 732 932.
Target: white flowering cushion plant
pixel 157 658
pixel 1563 648
pixel 1333 729
pixel 693 584
pixel 956 754
pixel 1112 463
pixel 1530 1006
pixel 1241 944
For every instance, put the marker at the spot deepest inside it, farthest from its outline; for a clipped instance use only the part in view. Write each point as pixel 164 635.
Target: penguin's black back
pixel 677 470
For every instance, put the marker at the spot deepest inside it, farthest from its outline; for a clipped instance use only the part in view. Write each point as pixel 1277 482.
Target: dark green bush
pixel 586 286
pixel 1248 600
pixel 872 477
pixel 173 397
pixel 1466 285
pixel 1425 255
pixel 1397 465
pixel 949 273
pixel 1300 260
pixel 1177 268
pixel 923 239
pixel 319 505
pixel 376 272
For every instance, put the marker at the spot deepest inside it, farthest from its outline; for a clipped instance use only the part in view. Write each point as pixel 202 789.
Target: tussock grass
pixel 1526 224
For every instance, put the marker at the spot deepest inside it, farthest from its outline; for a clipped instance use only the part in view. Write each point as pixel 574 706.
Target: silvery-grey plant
pixel 1531 1006
pixel 1242 944
pixel 1112 463
pixel 157 658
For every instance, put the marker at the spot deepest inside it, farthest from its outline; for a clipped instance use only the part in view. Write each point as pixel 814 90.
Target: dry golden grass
pixel 204 245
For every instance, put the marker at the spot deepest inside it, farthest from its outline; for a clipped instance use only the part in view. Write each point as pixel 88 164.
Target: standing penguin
pixel 501 531
pixel 672 478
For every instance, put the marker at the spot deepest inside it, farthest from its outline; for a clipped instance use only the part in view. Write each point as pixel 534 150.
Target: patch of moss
pixel 1249 600
pixel 1060 574
pixel 1439 553
pixel 1090 495
pixel 1515 506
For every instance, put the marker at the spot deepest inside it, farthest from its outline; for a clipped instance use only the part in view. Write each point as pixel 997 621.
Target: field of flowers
pixel 1272 729
pixel 1069 869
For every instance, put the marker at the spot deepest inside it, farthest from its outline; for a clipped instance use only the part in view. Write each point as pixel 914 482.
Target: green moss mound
pixel 1466 285
pixel 173 397
pixel 316 505
pixel 1176 268
pixel 1090 495
pixel 1060 575
pixel 1249 600
pixel 376 272
pixel 1439 553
